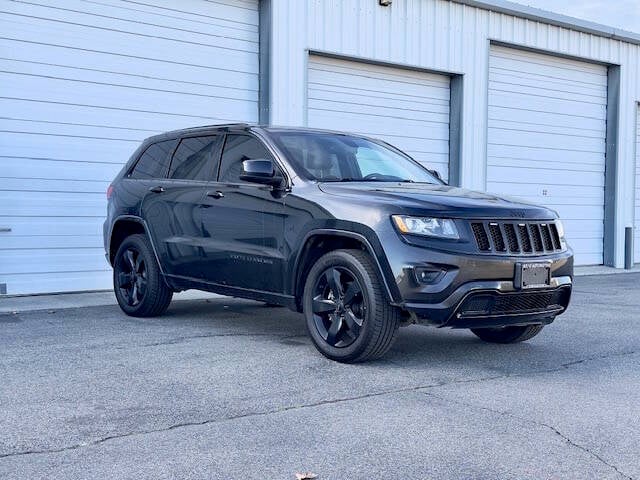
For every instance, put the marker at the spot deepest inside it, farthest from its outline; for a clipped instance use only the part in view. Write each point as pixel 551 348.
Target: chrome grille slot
pixel 512 238
pixel 537 238
pixel 497 238
pixel 482 239
pixel 546 236
pixel 525 239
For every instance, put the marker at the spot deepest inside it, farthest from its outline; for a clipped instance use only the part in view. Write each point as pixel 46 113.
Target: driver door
pixel 242 223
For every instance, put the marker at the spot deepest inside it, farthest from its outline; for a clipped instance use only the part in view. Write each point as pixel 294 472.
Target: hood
pixel 442 200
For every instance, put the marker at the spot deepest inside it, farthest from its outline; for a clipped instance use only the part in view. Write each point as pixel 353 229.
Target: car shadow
pixel 416 347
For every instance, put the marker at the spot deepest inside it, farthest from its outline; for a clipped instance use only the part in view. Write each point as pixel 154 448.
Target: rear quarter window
pixel 154 162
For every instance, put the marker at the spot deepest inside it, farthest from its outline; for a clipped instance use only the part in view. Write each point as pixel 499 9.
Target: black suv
pixel 347 229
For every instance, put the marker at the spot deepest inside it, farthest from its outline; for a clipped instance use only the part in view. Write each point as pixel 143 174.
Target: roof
pixel 557 19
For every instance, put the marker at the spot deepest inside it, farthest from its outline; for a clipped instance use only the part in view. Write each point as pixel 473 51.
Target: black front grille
pixel 516 237
pixel 494 303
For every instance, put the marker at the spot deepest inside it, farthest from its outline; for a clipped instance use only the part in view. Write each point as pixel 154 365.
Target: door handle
pixel 157 189
pixel 216 194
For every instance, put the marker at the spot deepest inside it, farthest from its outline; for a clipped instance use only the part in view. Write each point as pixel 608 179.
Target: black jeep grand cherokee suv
pixel 347 229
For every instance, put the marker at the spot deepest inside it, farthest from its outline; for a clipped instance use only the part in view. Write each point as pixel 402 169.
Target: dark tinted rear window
pixel 155 160
pixel 196 158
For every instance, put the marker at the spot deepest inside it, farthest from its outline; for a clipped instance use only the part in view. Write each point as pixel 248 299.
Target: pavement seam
pixel 214 335
pixel 419 388
pixel 534 422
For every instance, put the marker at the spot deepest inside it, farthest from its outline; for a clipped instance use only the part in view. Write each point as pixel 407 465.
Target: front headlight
pixel 431 227
pixel 560 228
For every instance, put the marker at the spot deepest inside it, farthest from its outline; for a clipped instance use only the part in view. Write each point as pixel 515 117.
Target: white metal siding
pixel 444 36
pixel 636 239
pixel 409 109
pixel 546 140
pixel 82 84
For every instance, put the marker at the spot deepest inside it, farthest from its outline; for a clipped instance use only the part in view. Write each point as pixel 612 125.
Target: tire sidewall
pixel 354 266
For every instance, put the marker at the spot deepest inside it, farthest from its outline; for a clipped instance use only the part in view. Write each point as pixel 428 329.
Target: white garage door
pixel 82 84
pixel 406 108
pixel 546 140
pixel 636 239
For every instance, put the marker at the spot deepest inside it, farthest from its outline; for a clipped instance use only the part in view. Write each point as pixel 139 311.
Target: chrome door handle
pixel 158 189
pixel 216 194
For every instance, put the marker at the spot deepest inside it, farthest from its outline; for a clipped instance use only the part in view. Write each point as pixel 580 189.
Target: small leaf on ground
pixel 306 476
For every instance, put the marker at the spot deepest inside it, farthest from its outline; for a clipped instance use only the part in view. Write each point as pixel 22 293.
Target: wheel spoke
pixel 322 305
pixel 333 279
pixel 352 291
pixel 354 323
pixel 332 333
pixel 139 265
pixel 128 255
pixel 134 295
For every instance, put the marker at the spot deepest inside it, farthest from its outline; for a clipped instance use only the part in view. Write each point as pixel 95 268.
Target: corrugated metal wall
pixel 407 108
pixel 447 37
pixel 547 128
pixel 82 84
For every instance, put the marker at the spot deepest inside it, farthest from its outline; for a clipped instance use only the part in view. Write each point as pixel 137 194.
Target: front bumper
pixel 495 304
pixel 477 291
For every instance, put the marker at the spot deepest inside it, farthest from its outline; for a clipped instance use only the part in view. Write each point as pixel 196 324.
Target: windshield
pixel 334 157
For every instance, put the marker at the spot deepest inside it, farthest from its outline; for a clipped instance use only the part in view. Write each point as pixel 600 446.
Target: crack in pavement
pixel 214 335
pixel 318 404
pixel 534 422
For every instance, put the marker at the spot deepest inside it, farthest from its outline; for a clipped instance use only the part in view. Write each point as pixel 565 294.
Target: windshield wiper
pixel 351 179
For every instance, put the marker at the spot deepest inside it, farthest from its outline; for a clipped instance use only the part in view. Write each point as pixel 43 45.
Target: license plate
pixel 533 275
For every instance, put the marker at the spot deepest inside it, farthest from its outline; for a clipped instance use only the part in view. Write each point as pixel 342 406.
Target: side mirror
pixel 260 171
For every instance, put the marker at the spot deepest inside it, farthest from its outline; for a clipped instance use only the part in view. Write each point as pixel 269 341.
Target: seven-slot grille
pixel 516 237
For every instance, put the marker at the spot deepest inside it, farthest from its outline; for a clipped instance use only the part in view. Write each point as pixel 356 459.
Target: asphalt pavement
pixel 231 389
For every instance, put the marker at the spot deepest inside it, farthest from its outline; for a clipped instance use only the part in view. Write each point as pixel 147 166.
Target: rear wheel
pixel 348 315
pixel 512 334
pixel 137 281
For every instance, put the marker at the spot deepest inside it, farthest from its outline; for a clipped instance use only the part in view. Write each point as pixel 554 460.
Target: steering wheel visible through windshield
pixel 335 157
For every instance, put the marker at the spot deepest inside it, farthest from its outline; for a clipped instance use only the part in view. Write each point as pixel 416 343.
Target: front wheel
pixel 348 315
pixel 512 334
pixel 137 281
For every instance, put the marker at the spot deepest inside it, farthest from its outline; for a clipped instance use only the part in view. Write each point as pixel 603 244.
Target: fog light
pixel 427 276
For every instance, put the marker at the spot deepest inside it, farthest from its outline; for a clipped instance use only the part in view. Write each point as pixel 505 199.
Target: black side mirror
pixel 260 171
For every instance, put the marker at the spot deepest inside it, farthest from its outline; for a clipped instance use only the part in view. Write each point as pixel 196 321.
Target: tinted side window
pixel 154 162
pixel 238 148
pixel 195 159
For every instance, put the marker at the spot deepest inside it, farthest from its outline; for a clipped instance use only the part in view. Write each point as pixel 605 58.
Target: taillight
pixel 109 191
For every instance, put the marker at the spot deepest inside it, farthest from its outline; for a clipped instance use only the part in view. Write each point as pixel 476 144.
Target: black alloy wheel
pixel 138 283
pixel 347 312
pixel 338 306
pixel 132 276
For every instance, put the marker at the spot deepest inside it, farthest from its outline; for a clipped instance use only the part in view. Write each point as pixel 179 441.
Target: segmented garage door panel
pixel 546 139
pixel 636 239
pixel 82 84
pixel 409 109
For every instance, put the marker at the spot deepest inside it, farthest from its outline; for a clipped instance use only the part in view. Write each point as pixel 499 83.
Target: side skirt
pixel 185 283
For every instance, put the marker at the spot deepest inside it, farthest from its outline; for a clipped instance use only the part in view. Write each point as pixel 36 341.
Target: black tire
pixel 137 281
pixel 512 334
pixel 360 298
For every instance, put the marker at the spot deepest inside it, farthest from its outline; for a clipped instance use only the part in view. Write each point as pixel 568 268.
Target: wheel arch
pixel 320 241
pixel 124 226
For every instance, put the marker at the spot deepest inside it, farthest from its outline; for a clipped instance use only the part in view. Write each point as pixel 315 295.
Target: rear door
pixel 243 223
pixel 172 208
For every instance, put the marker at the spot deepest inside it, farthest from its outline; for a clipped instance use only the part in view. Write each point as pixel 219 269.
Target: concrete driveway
pixel 233 389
